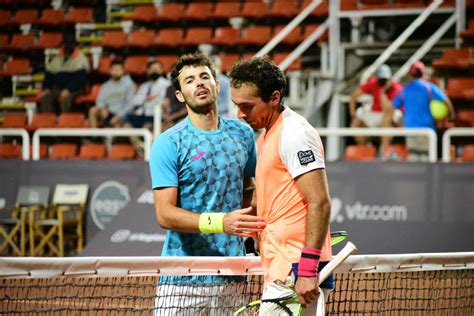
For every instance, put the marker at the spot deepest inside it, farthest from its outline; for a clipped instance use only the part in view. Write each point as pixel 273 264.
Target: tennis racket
pixel 338 236
pixel 284 303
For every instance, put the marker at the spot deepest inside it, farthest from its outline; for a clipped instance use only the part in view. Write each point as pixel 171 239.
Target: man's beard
pixel 203 108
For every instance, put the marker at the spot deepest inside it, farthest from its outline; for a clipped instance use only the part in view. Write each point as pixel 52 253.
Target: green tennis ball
pixel 439 110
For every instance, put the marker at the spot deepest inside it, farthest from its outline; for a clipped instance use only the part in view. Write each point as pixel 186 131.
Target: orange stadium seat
pixel 296 65
pixel 122 152
pixel 142 38
pixel 25 16
pixel 283 9
pixel 171 37
pixel 469 32
pixel 226 10
pixel 63 151
pixel 20 66
pixel 467 153
pixel 14 120
pixel 460 88
pixel 396 149
pixel 322 9
pixel 465 118
pixel 10 151
pixel 52 17
pixel 71 120
pixel 49 40
pixel 256 35
pixel 3 41
pixel 172 12
pixel 136 65
pixel 199 11
pixel 80 15
pixel 115 39
pixel 92 151
pixel 254 9
pixel 22 42
pixel 104 64
pixel 144 13
pixel 90 97
pixel 226 35
pixel 5 17
pixel 168 61
pixel 293 38
pixel 228 60
pixel 455 58
pixel 198 35
pixel 42 120
pixel 360 152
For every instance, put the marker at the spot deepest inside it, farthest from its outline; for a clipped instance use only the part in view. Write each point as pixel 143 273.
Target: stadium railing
pixel 25 143
pixel 448 135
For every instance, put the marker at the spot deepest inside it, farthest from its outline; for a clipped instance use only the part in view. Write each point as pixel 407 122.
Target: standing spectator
pixel 416 97
pixel 150 94
pixel 65 79
pixel 114 98
pixel 380 112
pixel 173 110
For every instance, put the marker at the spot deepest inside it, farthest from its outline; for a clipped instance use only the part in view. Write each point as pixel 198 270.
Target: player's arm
pixel 249 189
pixel 314 188
pixel 353 101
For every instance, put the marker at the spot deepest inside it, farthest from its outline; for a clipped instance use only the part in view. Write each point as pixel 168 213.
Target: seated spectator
pixel 114 99
pixel 173 110
pixel 380 112
pixel 224 102
pixel 150 94
pixel 65 79
pixel 416 97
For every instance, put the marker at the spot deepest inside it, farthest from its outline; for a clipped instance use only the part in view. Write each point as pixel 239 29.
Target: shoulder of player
pixel 235 125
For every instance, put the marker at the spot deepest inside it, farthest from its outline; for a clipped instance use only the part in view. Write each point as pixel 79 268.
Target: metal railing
pixel 25 143
pixel 341 132
pixel 450 133
pixel 102 132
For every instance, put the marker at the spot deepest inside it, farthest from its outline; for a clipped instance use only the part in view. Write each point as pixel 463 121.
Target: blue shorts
pixel 138 121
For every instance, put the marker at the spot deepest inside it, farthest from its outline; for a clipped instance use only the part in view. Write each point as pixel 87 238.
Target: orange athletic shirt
pixel 289 149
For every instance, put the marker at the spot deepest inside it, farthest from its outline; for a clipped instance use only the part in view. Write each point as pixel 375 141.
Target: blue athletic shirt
pixel 416 97
pixel 208 167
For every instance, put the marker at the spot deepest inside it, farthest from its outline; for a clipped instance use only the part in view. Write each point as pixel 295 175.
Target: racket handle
pixel 348 249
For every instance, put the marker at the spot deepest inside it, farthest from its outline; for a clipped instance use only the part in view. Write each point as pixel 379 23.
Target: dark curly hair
pixel 263 73
pixel 195 60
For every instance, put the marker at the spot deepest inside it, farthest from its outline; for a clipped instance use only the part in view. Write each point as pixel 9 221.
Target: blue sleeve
pixel 398 101
pixel 249 170
pixel 163 163
pixel 436 93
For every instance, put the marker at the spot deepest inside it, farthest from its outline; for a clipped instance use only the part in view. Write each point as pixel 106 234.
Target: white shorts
pixel 369 117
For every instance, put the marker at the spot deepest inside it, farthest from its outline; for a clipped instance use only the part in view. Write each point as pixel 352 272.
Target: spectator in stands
pixel 416 97
pixel 224 102
pixel 380 112
pixel 114 98
pixel 150 94
pixel 173 110
pixel 65 79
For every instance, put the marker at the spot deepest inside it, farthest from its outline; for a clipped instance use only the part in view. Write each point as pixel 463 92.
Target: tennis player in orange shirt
pixel 291 186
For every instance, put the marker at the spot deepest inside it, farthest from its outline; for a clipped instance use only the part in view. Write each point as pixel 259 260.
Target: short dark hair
pixel 116 62
pixel 263 73
pixel 195 59
pixel 152 62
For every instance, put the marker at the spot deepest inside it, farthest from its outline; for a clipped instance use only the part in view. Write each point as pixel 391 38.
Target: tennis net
pixel 415 284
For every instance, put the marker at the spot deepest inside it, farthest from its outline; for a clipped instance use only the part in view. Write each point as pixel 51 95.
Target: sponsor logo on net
pixel 125 235
pixel 364 212
pixel 107 201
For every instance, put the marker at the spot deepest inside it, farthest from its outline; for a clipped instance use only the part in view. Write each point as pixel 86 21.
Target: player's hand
pixel 241 223
pixel 307 290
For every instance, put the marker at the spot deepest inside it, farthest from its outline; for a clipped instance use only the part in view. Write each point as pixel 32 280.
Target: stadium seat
pixel 254 9
pixel 49 40
pixel 171 12
pixel 228 60
pixel 198 11
pixel 104 65
pixel 226 35
pixel 171 37
pixel 80 15
pixel 296 65
pixel 19 66
pixel 22 42
pixel 136 65
pixel 226 10
pixel 71 120
pixel 63 151
pixel 115 39
pixel 10 151
pixel 90 97
pixel 360 152
pixel 295 37
pixel 460 88
pixel 256 35
pixel 14 120
pixel 142 38
pixel 168 61
pixel 25 16
pixel 467 153
pixel 52 17
pixel 455 58
pixel 469 32
pixel 283 9
pixel 64 223
pixel 92 151
pixel 322 10
pixel 42 120
pixel 143 13
pixel 198 35
pixel 3 41
pixel 122 152
pixel 5 17
pixel 396 151
pixel 465 118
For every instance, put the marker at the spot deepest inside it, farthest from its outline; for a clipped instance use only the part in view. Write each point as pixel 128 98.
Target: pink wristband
pixel 309 262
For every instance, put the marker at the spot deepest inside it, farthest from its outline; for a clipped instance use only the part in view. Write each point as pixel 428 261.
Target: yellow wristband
pixel 210 223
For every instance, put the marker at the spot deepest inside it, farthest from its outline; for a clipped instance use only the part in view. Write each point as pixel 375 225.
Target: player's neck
pixel 205 121
pixel 273 118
